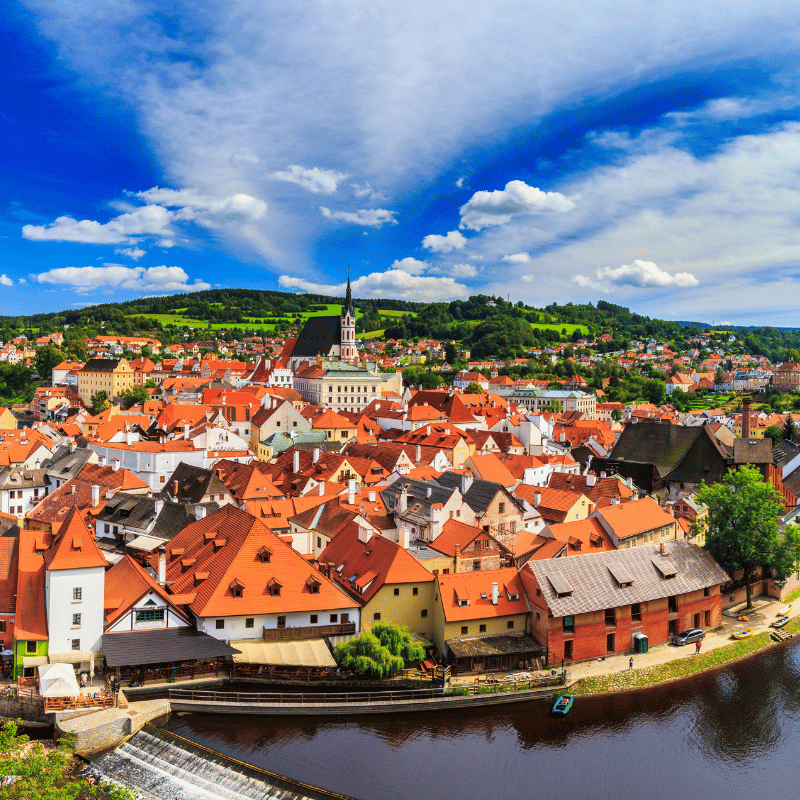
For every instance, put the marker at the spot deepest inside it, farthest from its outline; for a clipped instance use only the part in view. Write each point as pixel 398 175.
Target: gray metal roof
pixel 137 648
pixel 592 578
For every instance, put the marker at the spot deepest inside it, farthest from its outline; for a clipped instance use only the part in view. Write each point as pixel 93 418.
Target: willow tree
pixel 381 652
pixel 741 528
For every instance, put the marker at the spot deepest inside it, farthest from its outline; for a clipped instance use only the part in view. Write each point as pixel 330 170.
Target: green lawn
pixel 369 335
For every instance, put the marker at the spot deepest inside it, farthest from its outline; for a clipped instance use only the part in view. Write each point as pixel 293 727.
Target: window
pixel 275 590
pixel 424 613
pixel 610 617
pixel 415 591
pixel 482 628
pixel 77 593
pixel 220 624
pixel 538 615
pixel 319 541
pixel 76 620
pixel 569 624
pixel 345 619
pixel 464 630
pixel 30 648
pixel 396 592
pixel 636 612
pixel 501 508
pixel 376 616
pixel 76 644
pixel 2 626
pixel 510 624
pixel 313 619
pixel 150 615
pixel 335 618
pixel 282 621
pixel 249 622
pixel 707 592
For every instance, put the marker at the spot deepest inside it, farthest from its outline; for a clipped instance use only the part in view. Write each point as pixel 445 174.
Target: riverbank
pixel 672 664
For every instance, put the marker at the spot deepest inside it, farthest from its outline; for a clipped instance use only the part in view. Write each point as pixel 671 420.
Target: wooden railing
pixel 303 698
pixel 167 674
pixel 103 700
pixel 308 632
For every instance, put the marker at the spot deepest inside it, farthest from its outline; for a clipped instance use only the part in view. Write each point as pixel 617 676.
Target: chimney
pixel 404 536
pixel 351 491
pixel 315 455
pixel 419 455
pixel 403 499
pixel 159 504
pixel 537 498
pixel 746 417
pixel 73 488
pixel 591 479
pixel 115 464
pixel 495 594
pixel 466 482
pixel 364 534
pixel 73 447
pixel 296 461
pixel 162 566
pixel 130 437
pixel 428 491
pixel 427 428
pixel 199 512
pixel 321 488
pixel 95 495
pixel 457 559
pixel 175 488
pixel 615 501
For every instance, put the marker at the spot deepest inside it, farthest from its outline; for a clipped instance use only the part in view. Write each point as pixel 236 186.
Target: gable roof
pixel 477 586
pixel 591 584
pixel 73 546
pixel 30 622
pixel 638 516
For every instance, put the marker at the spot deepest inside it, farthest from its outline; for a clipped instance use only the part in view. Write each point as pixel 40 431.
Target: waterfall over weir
pixel 158 766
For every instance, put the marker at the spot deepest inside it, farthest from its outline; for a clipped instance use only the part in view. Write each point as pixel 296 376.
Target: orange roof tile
pixel 73 546
pixel 31 621
pixel 474 585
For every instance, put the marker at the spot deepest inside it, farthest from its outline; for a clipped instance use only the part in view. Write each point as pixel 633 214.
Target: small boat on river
pixel 780 622
pixel 744 633
pixel 784 610
pixel 562 705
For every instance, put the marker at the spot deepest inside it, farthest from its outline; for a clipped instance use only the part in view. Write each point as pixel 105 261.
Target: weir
pixel 161 766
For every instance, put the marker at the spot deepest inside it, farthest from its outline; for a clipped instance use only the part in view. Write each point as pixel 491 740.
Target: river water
pixel 726 735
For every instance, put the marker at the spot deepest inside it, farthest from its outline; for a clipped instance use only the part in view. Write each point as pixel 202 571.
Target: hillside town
pixel 260 502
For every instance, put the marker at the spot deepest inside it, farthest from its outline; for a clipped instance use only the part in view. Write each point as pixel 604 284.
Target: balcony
pixel 307 632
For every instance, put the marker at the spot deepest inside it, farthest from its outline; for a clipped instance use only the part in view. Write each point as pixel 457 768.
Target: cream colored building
pixel 111 375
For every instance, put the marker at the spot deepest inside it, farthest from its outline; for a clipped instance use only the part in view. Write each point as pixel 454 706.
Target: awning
pixel 164 646
pixel 305 653
pixel 74 657
pixel 147 543
pixel 33 661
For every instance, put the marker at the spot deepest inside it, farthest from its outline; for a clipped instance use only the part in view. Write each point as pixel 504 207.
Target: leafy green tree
pixel 773 432
pixel 99 401
pixel 135 396
pixel 450 352
pixel 410 375
pixel 430 380
pixel 398 640
pixel 655 391
pixel 789 429
pixel 792 355
pixel 741 528
pixel 365 654
pixel 47 357
pixel 616 415
pixel 473 388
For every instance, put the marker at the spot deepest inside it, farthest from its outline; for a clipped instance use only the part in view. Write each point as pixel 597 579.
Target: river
pixel 726 735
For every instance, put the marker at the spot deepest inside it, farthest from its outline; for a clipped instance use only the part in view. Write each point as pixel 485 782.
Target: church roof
pixel 318 336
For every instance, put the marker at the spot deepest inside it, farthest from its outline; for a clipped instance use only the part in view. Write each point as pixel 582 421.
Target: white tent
pixel 58 680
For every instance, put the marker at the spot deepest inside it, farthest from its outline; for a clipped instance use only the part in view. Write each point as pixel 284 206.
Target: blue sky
pixel 649 156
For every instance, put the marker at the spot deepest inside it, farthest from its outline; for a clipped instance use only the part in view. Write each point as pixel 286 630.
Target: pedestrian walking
pixel 697 645
pixel 630 663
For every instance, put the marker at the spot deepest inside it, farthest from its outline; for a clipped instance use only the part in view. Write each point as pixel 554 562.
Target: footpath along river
pixel 725 735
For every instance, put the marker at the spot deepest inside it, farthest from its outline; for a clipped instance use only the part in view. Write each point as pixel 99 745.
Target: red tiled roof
pixel 73 546
pixel 125 584
pixel 472 585
pixel 30 621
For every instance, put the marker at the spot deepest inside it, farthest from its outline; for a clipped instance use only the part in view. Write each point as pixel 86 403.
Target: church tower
pixel 348 351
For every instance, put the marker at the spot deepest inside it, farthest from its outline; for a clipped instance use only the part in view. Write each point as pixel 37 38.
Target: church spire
pixel 348 298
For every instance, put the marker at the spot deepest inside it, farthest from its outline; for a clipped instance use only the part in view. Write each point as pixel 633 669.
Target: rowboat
pixel 563 705
pixel 744 633
pixel 779 622
pixel 783 611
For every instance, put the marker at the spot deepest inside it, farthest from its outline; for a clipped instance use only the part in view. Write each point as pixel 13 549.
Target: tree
pixel 789 429
pixel 773 432
pixel 365 654
pixel 429 380
pixel 398 640
pixel 135 396
pixel 99 401
pixel 792 355
pixel 741 527
pixel 473 388
pixel 655 391
pixel 47 357
pixel 450 352
pixel 616 415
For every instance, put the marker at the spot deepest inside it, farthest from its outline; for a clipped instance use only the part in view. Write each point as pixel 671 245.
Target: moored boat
pixel 743 633
pixel 784 610
pixel 563 705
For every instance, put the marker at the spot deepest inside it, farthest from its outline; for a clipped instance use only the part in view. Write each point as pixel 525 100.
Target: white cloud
pixel 410 265
pixel 726 109
pixel 132 252
pixel 392 283
pixel 460 182
pixel 116 276
pixel 193 205
pixel 458 270
pixel 368 217
pixel 518 258
pixel 498 207
pixel 365 190
pixel 645 273
pixel 314 179
pixel 453 240
pixel 5 280
pixel 528 278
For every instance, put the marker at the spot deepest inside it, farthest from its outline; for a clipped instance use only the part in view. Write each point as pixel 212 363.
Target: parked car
pixel 688 636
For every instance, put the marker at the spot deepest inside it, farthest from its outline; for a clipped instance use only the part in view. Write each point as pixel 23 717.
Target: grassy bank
pixel 691 664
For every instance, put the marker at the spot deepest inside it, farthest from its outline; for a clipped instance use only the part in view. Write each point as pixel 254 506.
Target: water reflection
pixel 727 735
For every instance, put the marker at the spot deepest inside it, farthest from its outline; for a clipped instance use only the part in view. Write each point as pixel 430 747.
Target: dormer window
pixel 264 555
pixel 237 587
pixel 313 584
pixel 274 587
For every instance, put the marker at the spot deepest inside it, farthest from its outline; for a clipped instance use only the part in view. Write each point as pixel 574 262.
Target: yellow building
pixel 110 375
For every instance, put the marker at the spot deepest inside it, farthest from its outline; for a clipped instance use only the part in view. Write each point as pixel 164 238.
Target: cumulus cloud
pixel 411 265
pixel 518 258
pixel 5 280
pixel 528 278
pixel 367 217
pixel 132 252
pixel 315 179
pixel 392 283
pixel 453 240
pixel 641 274
pixel 498 207
pixel 460 182
pixel 726 109
pixel 116 276
pixel 459 270
pixel 195 206
pixel 365 190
